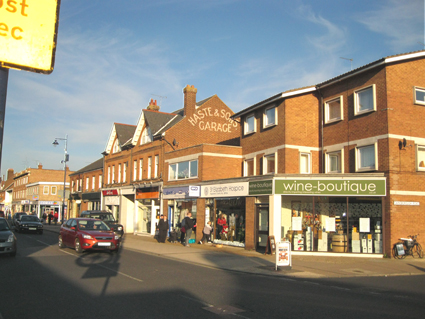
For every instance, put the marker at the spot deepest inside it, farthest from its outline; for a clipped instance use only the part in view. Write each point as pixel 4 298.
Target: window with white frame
pixel 365 100
pixel 156 166
pixel 420 157
pixel 333 110
pixel 249 167
pixel 87 183
pixel 124 173
pixel 73 186
pixel 140 169
pixel 81 185
pixel 366 157
pixel 334 162
pixel 54 190
pixel 93 183
pixel 149 167
pixel 419 96
pixel 116 147
pixel 146 136
pixel 100 181
pixel 269 164
pixel 270 117
pixel 135 170
pixel 119 173
pixel 305 163
pixel 113 174
pixel 46 190
pixel 109 174
pixel 183 170
pixel 249 124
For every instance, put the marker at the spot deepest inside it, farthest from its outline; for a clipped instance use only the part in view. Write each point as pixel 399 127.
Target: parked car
pixel 29 223
pixel 17 216
pixel 106 217
pixel 88 234
pixel 7 239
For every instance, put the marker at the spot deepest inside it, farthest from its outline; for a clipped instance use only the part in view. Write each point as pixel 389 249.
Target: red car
pixel 88 234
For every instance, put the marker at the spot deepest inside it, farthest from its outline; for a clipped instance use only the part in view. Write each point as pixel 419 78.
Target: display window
pixel 229 224
pixel 333 224
pixel 177 210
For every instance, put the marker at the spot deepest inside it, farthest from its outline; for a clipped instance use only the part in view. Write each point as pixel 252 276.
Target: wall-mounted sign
pixel 181 192
pixel 331 187
pixel 261 188
pixel 213 120
pixel 28 33
pixel 402 203
pixel 110 192
pixel 225 190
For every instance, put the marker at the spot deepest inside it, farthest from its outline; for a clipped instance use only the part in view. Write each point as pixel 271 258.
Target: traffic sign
pixel 28 33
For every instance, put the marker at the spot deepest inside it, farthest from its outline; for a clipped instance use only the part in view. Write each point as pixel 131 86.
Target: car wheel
pixel 60 243
pixel 78 248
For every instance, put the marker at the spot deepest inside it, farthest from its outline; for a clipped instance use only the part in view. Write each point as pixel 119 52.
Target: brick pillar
pixel 250 218
pixel 200 218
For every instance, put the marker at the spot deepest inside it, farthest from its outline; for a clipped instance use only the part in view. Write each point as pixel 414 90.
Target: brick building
pixel 86 184
pixel 38 190
pixel 338 167
pixel 6 191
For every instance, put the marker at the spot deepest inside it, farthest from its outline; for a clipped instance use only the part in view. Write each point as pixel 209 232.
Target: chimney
pixel 40 166
pixel 10 173
pixel 153 106
pixel 189 100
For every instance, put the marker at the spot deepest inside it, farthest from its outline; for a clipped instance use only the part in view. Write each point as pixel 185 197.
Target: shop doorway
pixel 262 226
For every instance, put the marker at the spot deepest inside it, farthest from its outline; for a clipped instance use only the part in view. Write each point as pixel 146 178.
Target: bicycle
pixel 408 247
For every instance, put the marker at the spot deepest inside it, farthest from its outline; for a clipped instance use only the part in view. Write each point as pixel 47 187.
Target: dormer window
pixel 116 147
pixel 146 136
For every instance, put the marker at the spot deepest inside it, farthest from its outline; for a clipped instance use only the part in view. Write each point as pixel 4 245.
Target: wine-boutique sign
pixel 330 187
pixel 28 33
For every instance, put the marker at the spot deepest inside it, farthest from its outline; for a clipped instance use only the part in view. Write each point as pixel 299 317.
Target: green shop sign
pixel 329 187
pixel 261 188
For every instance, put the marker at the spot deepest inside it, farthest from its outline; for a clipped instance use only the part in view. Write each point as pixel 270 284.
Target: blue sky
pixel 113 56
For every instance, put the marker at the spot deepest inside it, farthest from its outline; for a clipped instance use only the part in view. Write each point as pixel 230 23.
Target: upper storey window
pixel 420 157
pixel 333 110
pixel 366 157
pixel 365 100
pixel 249 126
pixel 116 147
pixel 183 170
pixel 146 136
pixel 419 96
pixel 270 118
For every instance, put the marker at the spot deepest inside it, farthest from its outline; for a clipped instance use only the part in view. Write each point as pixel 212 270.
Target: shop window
pixel 305 163
pixel 334 110
pixel 54 190
pixel 249 126
pixel 420 157
pixel 249 167
pixel 183 170
pixel 366 158
pixel 269 164
pixel 419 96
pixel 46 190
pixel 365 100
pixel 230 222
pixel 270 118
pixel 334 162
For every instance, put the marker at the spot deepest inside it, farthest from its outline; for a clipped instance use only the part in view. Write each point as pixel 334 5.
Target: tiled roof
pixel 91 167
pixel 157 120
pixel 124 132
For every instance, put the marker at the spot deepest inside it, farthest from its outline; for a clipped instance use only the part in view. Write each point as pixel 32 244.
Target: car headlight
pixel 87 236
pixel 11 239
pixel 120 228
pixel 117 237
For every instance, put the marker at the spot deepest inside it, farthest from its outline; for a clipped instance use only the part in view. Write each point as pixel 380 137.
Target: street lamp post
pixel 65 159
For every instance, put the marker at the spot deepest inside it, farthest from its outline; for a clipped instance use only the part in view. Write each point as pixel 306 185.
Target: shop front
pixel 111 202
pixel 148 208
pixel 327 215
pixel 92 200
pixel 179 200
pixel 225 208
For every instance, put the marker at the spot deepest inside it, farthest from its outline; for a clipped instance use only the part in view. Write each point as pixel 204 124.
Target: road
pixel 43 281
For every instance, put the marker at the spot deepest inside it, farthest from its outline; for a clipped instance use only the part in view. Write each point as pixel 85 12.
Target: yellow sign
pixel 28 32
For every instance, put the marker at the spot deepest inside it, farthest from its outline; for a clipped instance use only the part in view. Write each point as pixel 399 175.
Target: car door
pixel 65 232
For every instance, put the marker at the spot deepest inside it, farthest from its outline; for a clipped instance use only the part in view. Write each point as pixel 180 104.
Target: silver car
pixel 7 239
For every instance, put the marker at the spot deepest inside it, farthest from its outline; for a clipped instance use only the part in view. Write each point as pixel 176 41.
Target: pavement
pixel 252 262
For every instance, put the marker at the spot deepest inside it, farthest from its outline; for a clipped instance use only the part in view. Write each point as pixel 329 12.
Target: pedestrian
pixel 56 217
pixel 44 217
pixel 163 226
pixel 188 225
pixel 221 221
pixel 207 233
pixel 50 217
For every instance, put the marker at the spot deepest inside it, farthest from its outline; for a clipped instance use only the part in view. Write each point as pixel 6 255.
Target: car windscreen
pixel 105 217
pixel 92 225
pixel 4 225
pixel 29 219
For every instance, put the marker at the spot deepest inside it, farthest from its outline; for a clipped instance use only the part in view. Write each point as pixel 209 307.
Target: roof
pixel 157 120
pixel 91 167
pixel 382 61
pixel 124 132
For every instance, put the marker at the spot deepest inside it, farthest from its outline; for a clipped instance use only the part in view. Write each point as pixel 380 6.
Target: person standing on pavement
pixel 207 233
pixel 50 217
pixel 163 226
pixel 188 224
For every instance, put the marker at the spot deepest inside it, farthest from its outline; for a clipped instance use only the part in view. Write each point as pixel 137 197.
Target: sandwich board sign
pixel 28 34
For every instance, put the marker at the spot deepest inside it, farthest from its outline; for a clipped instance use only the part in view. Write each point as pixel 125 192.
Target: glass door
pixel 262 226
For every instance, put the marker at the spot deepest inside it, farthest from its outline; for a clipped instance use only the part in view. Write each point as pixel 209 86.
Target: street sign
pixel 28 33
